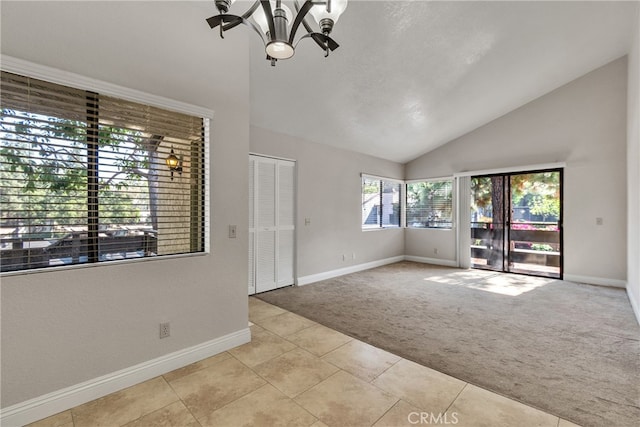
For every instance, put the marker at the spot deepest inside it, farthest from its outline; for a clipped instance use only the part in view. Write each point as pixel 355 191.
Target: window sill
pixel 100 264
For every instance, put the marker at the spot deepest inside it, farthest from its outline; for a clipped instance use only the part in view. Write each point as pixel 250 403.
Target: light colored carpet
pixel 570 349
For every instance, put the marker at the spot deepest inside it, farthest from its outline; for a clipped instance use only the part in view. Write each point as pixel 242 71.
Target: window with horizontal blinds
pixel 381 203
pixel 430 204
pixel 84 177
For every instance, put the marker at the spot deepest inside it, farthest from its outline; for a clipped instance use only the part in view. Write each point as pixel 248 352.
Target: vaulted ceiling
pixel 410 76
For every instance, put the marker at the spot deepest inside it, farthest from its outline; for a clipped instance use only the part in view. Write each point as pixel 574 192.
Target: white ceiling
pixel 412 75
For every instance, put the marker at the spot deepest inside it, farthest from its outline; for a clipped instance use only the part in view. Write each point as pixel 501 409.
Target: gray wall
pixel 633 171
pixel 330 193
pixel 583 124
pixel 64 327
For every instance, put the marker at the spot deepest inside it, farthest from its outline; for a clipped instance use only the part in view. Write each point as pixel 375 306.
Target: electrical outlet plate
pixel 165 330
pixel 232 231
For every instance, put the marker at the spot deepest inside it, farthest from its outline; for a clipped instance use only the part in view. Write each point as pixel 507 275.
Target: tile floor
pixel 296 372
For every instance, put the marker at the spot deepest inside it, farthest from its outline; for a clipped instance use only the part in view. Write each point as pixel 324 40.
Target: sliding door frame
pixel 462 179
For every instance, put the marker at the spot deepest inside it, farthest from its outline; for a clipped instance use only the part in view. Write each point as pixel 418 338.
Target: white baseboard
pixel 635 305
pixel 435 261
pixel 305 280
pixel 592 280
pixel 61 400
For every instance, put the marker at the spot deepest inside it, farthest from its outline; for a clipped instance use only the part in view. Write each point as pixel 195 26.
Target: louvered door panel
pixel 286 222
pixel 266 245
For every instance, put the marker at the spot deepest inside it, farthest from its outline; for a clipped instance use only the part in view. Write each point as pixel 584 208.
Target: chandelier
pixel 275 24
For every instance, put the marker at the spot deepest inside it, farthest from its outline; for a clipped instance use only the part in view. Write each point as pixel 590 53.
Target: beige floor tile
pixel 259 309
pixel 479 408
pixel 566 423
pixel 264 346
pixel 255 328
pixel 63 419
pixel 285 324
pixel 319 339
pixel 202 364
pixel 264 407
pixel 422 387
pixel 400 415
pixel 295 371
pixel 209 389
pixel 360 359
pixel 344 400
pixel 173 415
pixel 126 405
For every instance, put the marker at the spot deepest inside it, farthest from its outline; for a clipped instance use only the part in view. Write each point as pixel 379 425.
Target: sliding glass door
pixel 516 222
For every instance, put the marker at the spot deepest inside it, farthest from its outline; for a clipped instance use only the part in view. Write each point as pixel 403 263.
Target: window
pixel 380 202
pixel 429 204
pixel 84 179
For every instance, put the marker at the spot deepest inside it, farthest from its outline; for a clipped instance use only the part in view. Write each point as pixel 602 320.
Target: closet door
pixel 271 223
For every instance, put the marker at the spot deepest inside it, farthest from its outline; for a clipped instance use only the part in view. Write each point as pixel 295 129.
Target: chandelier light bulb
pixel 224 5
pixel 279 50
pixel 320 14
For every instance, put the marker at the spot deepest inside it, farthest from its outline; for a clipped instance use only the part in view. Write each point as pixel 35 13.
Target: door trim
pixel 514 169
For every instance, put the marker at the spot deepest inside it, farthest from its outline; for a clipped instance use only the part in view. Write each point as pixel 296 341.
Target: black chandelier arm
pixel 304 21
pixel 245 15
pixel 325 42
pixel 302 12
pixel 266 6
pixel 233 20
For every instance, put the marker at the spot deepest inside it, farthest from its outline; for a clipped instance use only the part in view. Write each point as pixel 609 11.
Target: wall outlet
pixel 344 257
pixel 232 231
pixel 307 221
pixel 165 330
pixel 353 255
pixel 599 221
pixel 435 251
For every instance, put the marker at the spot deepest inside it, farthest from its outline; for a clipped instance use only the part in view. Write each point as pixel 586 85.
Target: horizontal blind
pixel 85 179
pixel 430 204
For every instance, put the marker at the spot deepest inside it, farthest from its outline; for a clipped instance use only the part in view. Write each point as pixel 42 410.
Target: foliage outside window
pixel 535 199
pixel 381 206
pixel 429 204
pixel 84 179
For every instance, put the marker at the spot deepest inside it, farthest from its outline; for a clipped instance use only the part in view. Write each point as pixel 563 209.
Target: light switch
pixel 232 231
pixel 599 221
pixel 307 221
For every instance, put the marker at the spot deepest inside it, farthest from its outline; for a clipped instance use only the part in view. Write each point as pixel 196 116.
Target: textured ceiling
pixel 411 76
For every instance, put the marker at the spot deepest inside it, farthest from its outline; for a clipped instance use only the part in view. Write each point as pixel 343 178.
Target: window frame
pixel 401 201
pixel 52 75
pixel 450 179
